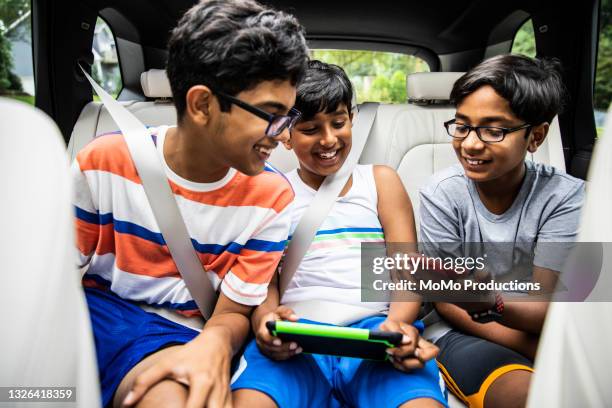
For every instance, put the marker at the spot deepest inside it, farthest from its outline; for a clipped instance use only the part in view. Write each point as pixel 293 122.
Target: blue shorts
pixel 124 335
pixel 313 380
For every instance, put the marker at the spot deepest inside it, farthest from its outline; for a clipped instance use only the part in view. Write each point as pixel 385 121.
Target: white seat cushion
pixel 95 120
pixel 46 334
pixel 155 84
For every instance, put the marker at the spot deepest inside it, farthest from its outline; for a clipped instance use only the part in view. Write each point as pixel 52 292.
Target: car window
pixel 105 69
pixel 602 96
pixel 16 68
pixel 524 40
pixel 376 76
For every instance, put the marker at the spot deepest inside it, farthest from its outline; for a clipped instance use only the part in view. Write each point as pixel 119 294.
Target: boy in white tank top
pixel 372 207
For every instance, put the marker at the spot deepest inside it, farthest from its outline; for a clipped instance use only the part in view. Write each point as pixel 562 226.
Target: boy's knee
pixel 167 394
pixel 421 403
pixel 247 398
pixel 509 390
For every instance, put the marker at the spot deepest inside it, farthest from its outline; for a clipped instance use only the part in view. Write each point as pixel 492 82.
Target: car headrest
pixel 430 87
pixel 155 84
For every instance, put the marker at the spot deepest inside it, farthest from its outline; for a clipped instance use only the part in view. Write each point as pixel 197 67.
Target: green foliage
pixel 29 99
pixel 376 76
pixel 10 11
pixel 15 82
pixel 6 63
pixel 603 77
pixel 524 41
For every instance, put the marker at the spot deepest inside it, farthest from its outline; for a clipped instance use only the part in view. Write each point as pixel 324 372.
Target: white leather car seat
pixel 574 360
pixel 46 333
pixel 94 119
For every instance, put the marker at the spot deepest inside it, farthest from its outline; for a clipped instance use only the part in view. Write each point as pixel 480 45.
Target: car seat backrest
pixel 94 119
pixel 46 337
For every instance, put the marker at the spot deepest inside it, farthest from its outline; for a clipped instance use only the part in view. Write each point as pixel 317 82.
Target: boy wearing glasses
pixel 504 109
pixel 233 67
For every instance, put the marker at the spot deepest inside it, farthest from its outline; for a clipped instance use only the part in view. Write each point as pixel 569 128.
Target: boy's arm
pixel 514 339
pixel 527 316
pixel 88 221
pixel 269 305
pixel 397 219
pixel 271 346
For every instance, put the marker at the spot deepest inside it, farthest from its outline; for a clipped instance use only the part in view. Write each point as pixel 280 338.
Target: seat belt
pixel 162 201
pixel 306 230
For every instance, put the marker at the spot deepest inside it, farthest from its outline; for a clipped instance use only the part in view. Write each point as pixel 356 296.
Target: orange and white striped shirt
pixel 238 226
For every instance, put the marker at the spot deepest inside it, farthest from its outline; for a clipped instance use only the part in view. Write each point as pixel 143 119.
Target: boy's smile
pixel 212 141
pixel 241 130
pixel 322 144
pixel 328 157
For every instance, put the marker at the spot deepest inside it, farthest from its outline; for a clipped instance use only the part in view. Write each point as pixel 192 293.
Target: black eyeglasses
pixel 276 123
pixel 488 134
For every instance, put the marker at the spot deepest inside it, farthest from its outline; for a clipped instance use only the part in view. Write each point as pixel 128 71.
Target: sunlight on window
pixel 105 69
pixel 16 70
pixel 376 76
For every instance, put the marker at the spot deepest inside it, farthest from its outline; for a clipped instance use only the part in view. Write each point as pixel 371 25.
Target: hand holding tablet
pixel 414 350
pixel 271 346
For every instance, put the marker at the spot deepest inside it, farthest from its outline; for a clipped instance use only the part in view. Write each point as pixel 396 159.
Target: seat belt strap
pixel 325 197
pixel 162 201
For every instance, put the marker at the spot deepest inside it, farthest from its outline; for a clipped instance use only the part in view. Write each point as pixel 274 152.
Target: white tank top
pixel 331 268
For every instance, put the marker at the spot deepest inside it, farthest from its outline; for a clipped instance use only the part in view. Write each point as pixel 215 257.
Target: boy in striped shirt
pixel 230 117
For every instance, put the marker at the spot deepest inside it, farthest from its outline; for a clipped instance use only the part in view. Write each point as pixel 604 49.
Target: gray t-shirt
pixel 545 214
pixel 546 211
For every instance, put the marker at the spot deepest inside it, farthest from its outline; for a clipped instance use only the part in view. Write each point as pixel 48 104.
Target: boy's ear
pixel 538 134
pixel 199 102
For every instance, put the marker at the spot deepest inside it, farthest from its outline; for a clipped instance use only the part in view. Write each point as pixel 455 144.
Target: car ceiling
pixel 441 26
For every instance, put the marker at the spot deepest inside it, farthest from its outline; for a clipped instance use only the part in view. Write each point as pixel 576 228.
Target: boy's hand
pixel 479 300
pixel 414 351
pixel 203 365
pixel 271 346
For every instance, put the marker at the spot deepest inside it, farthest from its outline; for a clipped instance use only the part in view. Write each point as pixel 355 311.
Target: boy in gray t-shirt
pixel 504 109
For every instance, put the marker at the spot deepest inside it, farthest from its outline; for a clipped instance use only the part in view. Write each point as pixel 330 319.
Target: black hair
pixel 231 46
pixel 323 88
pixel 533 87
